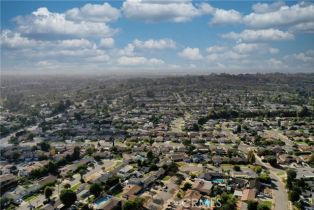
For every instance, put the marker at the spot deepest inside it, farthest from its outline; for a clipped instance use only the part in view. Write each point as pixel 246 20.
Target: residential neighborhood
pixel 161 146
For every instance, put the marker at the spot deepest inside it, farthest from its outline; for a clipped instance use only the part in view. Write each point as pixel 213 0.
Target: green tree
pixel 15 156
pixel 112 181
pixel 96 189
pixel 87 206
pixel 264 177
pixel 195 127
pixel 68 197
pixel 291 175
pixel 311 160
pixel 52 167
pixel 252 205
pixel 236 168
pixel 90 150
pixel 44 146
pixel 136 204
pixel 251 157
pixel 258 169
pixel 48 192
pixel 228 202
pixel 14 140
pixel 262 207
pixel 76 153
pixel 82 172
pixel 238 130
pixel 30 137
pixel 187 186
pixel 150 156
pixel 272 160
pixel 294 194
pixel 4 202
pixel 67 186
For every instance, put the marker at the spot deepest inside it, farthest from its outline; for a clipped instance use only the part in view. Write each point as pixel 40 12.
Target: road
pixel 180 101
pixel 38 201
pixel 280 195
pixel 4 142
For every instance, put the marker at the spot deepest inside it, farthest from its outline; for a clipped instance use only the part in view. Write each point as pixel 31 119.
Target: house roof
pixel 111 204
pixel 248 194
pixel 192 194
pixel 131 190
pixel 47 180
pixel 202 186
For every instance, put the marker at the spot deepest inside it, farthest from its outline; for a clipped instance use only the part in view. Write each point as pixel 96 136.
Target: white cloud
pixel 154 44
pixel 216 49
pixel 75 43
pixel 155 11
pixel 254 47
pixel 150 44
pixel 44 22
pixel 307 27
pixel 134 61
pixel 106 42
pixel 15 40
pixel 44 63
pixel 265 8
pixel 99 58
pixel 259 35
pixel 221 16
pixel 276 64
pixel 71 49
pixel 282 15
pixel 307 56
pixel 191 53
pixel 93 13
pixel 127 50
pixel 225 56
pixel 297 18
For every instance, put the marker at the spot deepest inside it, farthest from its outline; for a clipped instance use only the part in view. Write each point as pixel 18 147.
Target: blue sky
pixel 157 36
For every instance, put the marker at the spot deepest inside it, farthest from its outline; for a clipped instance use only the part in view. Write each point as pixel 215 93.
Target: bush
pixel 187 186
pixel 236 168
pixel 252 205
pixel 96 189
pixel 135 204
pixel 68 197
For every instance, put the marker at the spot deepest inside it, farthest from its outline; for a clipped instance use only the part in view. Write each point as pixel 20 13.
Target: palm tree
pixel 82 172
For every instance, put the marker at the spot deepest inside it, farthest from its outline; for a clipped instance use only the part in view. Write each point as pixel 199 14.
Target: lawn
pixel 119 195
pixel 282 173
pixel 29 198
pixel 180 164
pixel 166 178
pixel 267 203
pixel 75 187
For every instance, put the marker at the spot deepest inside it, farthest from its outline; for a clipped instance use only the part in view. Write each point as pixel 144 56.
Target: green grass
pixel 30 197
pixel 180 164
pixel 119 195
pixel 267 203
pixel 11 207
pixel 75 187
pixel 166 178
pixel 282 173
pixel 302 143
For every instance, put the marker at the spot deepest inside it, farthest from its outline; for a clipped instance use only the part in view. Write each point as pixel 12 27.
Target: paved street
pixel 280 195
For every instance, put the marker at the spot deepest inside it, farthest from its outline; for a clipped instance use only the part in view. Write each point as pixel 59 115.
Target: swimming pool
pixel 102 200
pixel 218 181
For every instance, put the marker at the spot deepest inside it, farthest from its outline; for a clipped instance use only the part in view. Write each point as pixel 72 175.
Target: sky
pixel 157 36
